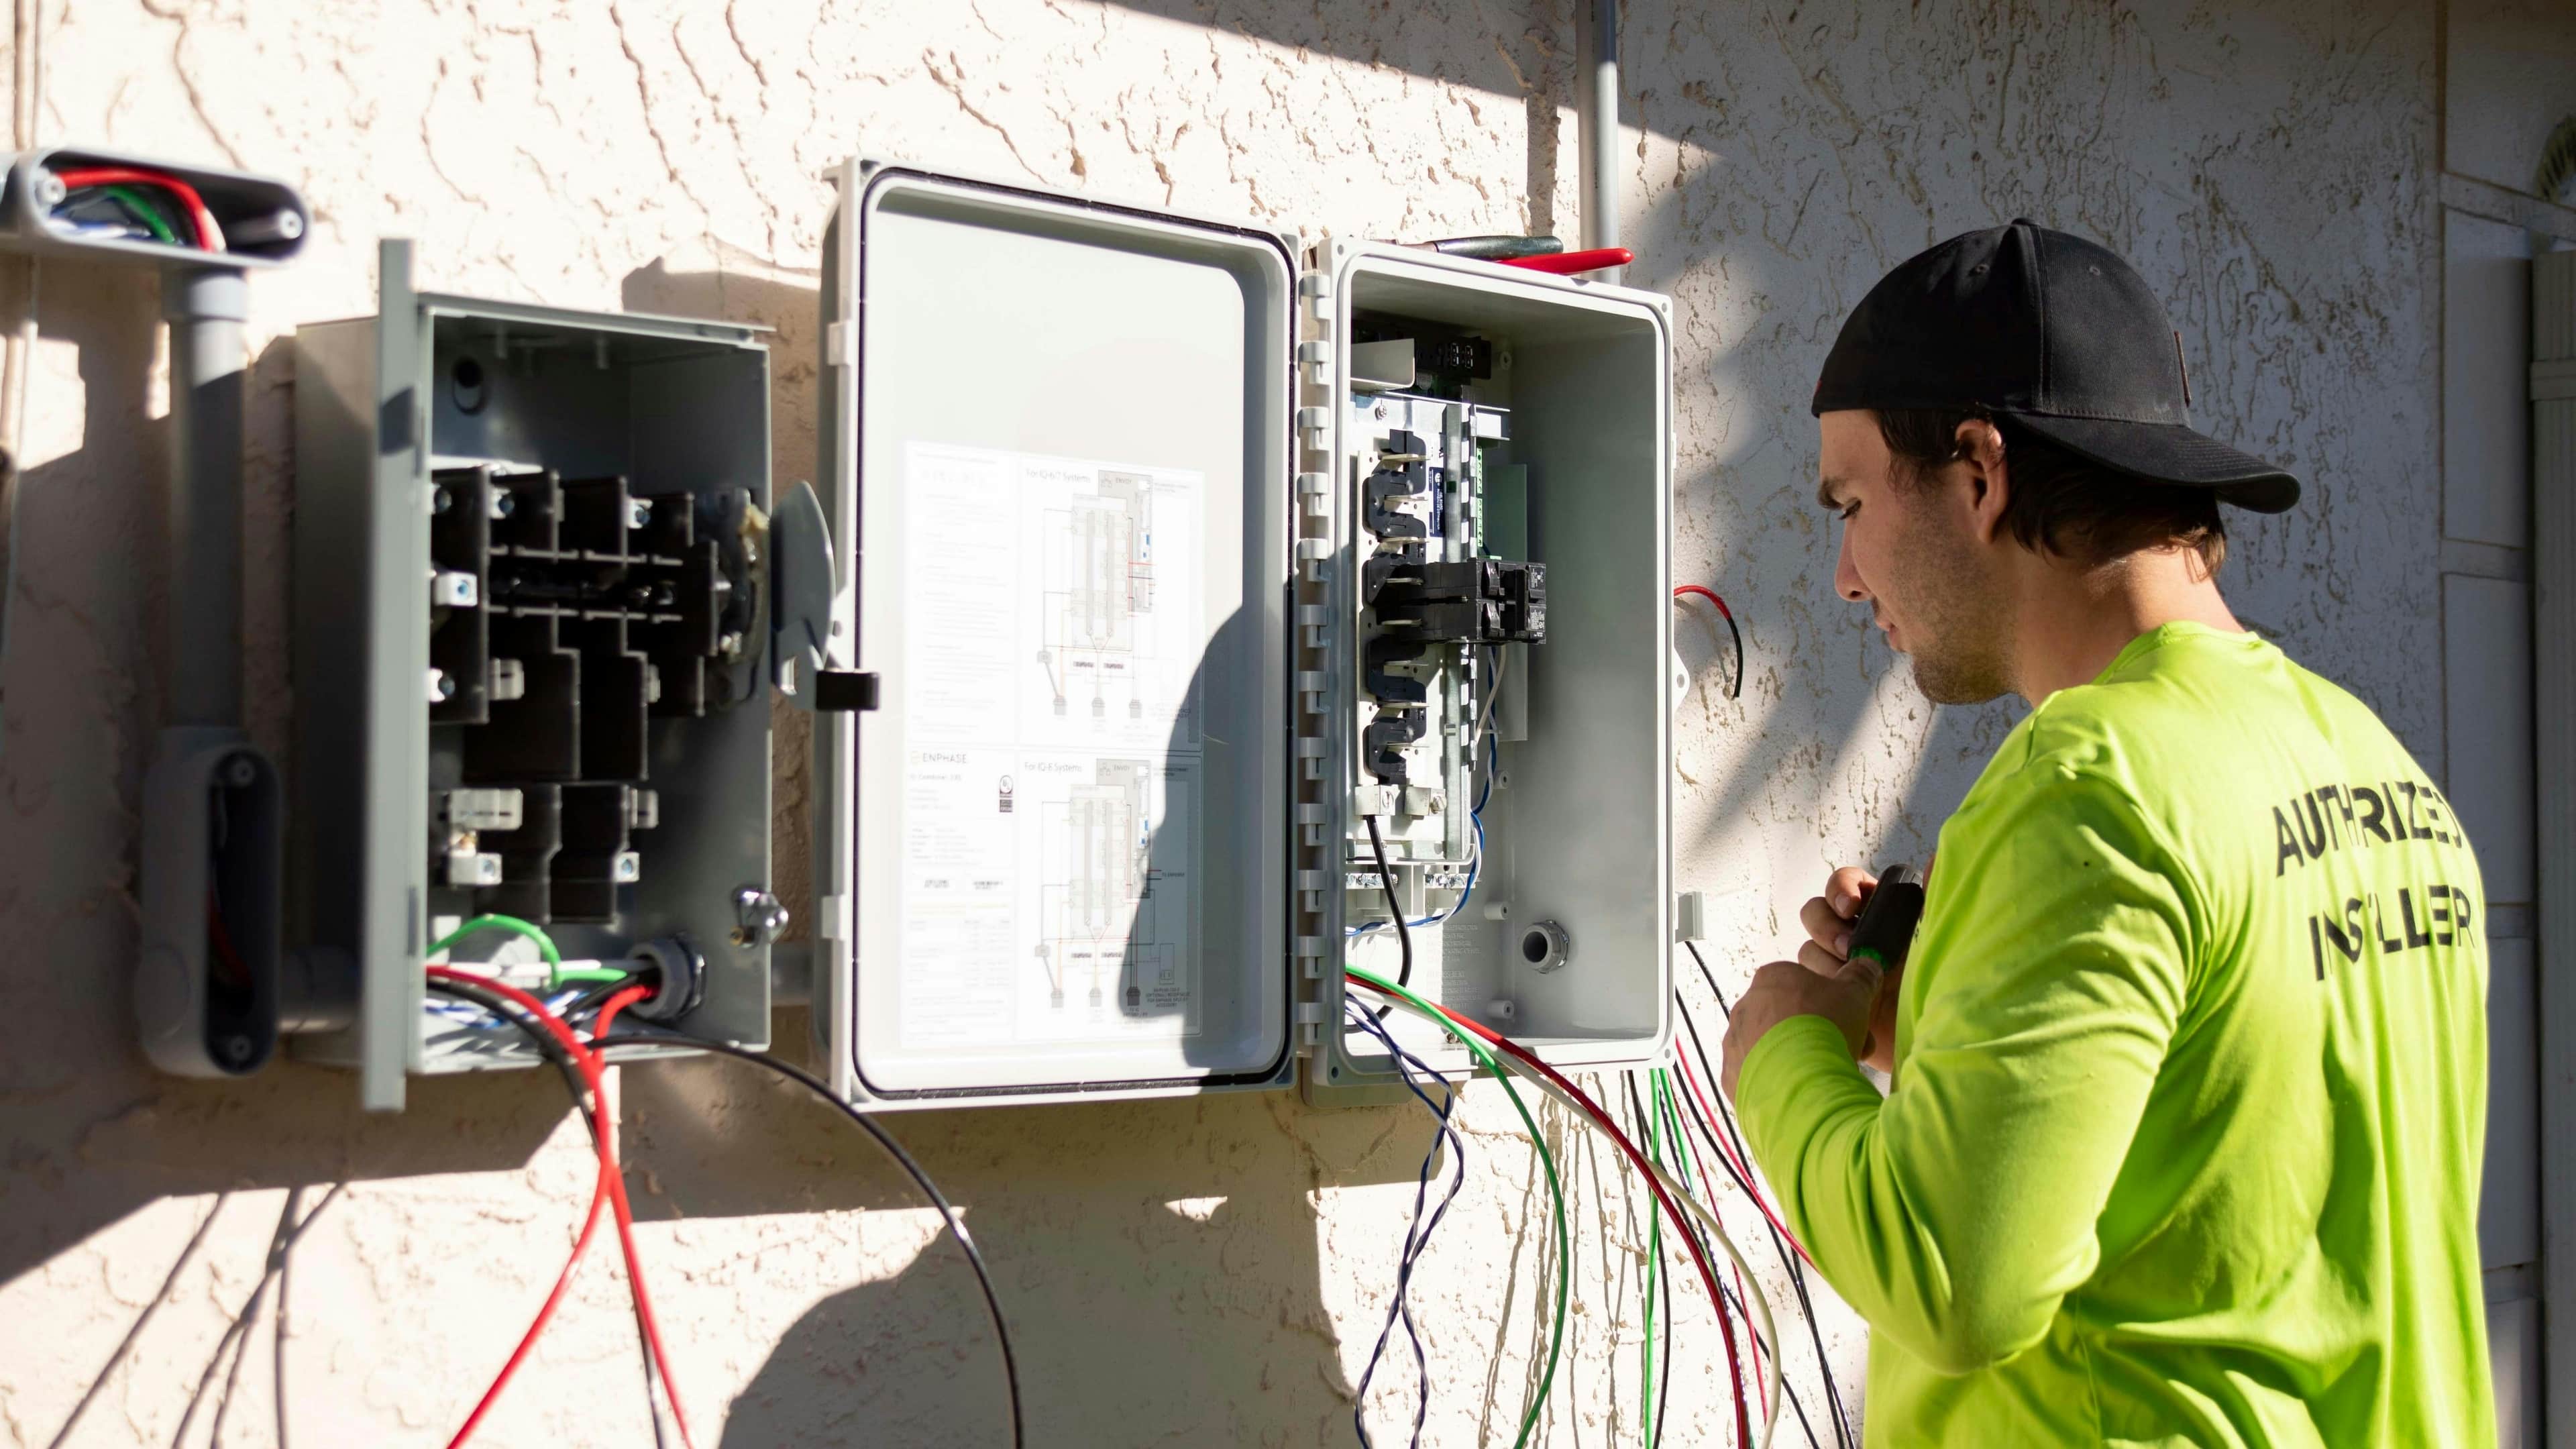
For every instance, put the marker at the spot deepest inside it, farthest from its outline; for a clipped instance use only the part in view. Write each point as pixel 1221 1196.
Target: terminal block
pixel 565 615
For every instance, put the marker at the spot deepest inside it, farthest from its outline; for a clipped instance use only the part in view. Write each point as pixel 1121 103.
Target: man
pixel 2189 1059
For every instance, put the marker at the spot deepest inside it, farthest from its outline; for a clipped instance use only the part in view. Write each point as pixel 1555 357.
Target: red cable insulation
pixel 1742 1168
pixel 612 1183
pixel 1698 1176
pixel 210 237
pixel 1567 264
pixel 1704 592
pixel 1699 1255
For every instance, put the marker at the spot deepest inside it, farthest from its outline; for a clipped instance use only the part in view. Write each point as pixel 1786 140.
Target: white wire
pixel 1767 1329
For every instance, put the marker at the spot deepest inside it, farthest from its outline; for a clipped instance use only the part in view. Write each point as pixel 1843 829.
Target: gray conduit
pixel 1597 112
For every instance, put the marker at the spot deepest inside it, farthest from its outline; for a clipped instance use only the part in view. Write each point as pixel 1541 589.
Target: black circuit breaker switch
pixel 1472 601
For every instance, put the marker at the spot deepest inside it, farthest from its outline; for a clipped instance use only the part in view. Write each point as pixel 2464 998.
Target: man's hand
pixel 1828 919
pixel 1785 989
pixel 1858 998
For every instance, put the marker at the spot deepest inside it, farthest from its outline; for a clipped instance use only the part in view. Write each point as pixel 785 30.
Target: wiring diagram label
pixel 1054 768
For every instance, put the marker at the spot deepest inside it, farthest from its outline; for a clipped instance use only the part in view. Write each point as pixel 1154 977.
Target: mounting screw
pixel 237 1049
pixel 241 772
pixel 758 915
pixel 50 190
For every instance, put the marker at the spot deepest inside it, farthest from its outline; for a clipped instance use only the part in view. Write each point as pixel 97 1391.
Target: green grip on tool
pixel 1885 930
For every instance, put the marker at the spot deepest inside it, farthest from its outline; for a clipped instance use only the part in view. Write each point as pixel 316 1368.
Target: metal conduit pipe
pixel 1597 117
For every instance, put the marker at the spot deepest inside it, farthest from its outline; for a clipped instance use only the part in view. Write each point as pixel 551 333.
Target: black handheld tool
pixel 1885 930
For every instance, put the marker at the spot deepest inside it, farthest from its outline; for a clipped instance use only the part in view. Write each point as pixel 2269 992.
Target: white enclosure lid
pixel 1058 435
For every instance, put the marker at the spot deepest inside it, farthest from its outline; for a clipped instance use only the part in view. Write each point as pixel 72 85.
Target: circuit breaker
pixel 1230 603
pixel 533 560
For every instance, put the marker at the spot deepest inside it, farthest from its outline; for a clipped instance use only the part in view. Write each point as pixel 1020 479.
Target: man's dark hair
pixel 2063 503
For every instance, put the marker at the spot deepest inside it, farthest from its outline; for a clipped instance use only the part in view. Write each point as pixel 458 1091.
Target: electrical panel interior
pixel 533 565
pixel 1498 511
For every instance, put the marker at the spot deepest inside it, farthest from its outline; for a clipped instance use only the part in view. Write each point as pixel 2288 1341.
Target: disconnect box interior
pixel 1182 559
pixel 531 568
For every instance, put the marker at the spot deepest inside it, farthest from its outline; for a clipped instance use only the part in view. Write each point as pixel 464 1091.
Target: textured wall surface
pixel 1182 1272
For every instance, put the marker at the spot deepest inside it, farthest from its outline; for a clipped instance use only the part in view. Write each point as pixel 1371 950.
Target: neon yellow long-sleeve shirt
pixel 2184 1139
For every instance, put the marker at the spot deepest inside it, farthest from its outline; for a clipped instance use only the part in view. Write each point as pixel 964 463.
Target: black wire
pixel 1797 1271
pixel 893 1149
pixel 1729 615
pixel 1664 1394
pixel 1788 1259
pixel 553 1051
pixel 1417 1238
pixel 1395 908
pixel 1786 1386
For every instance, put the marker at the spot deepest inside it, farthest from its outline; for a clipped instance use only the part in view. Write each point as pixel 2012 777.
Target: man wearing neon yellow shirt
pixel 2188 1060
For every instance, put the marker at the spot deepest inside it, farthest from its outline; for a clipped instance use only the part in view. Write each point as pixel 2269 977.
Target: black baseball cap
pixel 2058 335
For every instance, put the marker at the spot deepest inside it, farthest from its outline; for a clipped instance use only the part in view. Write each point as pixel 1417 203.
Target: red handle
pixel 1566 264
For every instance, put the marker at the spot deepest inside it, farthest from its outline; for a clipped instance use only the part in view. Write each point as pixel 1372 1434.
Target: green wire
pixel 145 212
pixel 1654 1262
pixel 557 974
pixel 1547 1160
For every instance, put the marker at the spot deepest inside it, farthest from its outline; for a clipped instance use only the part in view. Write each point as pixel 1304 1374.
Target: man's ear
pixel 1981 448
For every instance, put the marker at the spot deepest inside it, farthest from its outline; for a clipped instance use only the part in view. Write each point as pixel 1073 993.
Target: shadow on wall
pixel 93 1133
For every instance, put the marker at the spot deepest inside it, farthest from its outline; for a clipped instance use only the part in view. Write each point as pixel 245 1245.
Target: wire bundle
pixel 131 204
pixel 1417 1237
pixel 604 993
pixel 1491 1049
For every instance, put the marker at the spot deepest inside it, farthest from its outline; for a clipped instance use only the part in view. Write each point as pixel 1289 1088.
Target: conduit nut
pixel 1545 946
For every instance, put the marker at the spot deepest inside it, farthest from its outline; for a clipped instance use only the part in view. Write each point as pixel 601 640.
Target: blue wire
pixel 1418 1237
pixel 1436 917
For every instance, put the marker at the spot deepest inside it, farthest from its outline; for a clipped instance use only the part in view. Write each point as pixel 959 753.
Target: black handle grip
pixel 1885 929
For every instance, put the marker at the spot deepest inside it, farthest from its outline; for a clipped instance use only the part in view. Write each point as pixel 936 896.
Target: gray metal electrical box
pixel 531 652
pixel 1195 573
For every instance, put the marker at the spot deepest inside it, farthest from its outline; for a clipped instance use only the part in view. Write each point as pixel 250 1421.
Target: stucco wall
pixel 1180 1272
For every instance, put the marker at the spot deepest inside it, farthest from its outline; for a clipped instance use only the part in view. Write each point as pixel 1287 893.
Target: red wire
pixel 1742 1168
pixel 1699 1176
pixel 1699 1255
pixel 210 237
pixel 611 1185
pixel 1704 592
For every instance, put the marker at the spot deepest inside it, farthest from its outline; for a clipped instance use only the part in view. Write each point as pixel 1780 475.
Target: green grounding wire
pixel 1547 1160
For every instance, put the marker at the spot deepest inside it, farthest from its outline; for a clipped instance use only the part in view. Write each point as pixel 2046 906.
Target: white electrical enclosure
pixel 1101 506
pixel 1565 940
